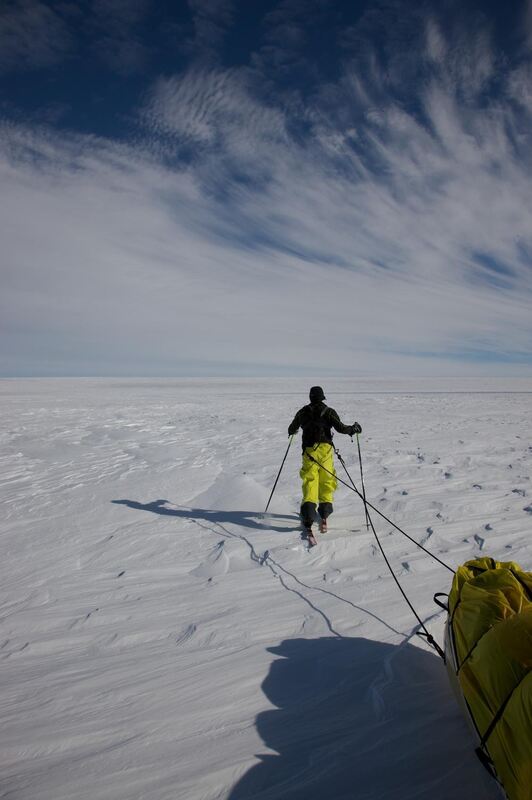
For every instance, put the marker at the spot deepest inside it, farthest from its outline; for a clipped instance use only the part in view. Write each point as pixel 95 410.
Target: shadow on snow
pixel 247 519
pixel 360 719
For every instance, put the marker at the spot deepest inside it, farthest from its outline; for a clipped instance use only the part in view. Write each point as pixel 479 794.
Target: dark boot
pixel 324 510
pixel 308 514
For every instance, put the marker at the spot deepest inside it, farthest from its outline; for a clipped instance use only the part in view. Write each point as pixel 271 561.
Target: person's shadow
pixel 361 720
pixel 247 519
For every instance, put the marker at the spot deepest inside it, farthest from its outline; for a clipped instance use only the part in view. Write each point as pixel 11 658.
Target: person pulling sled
pixel 319 485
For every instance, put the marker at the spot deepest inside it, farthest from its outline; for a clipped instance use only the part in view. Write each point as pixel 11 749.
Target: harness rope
pixel 367 503
pixel 424 633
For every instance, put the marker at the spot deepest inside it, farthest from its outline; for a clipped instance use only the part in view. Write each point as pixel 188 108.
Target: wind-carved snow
pixel 161 637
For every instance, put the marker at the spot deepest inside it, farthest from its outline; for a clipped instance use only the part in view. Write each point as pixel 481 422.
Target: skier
pixel 319 486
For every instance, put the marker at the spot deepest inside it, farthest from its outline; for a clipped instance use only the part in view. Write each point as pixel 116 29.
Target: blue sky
pixel 300 187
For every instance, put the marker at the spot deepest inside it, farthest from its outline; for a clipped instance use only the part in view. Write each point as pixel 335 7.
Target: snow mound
pixel 229 492
pixel 216 563
pixel 226 556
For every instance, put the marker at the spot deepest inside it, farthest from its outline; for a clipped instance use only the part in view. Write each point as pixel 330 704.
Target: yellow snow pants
pixel 318 485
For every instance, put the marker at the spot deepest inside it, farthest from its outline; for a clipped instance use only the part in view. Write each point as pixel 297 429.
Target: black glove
pixel 355 429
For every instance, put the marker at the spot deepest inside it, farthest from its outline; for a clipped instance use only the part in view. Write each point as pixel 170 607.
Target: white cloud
pixel 387 239
pixel 520 88
pixel 214 109
pixel 436 44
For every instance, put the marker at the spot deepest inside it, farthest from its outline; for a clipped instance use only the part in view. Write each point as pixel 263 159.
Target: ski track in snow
pixel 162 638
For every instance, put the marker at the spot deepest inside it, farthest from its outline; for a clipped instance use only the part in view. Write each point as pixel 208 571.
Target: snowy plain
pixel 160 638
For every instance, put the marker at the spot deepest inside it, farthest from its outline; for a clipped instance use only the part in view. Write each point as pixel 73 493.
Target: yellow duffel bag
pixel 488 647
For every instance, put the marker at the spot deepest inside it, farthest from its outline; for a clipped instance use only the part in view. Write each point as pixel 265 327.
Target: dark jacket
pixel 316 420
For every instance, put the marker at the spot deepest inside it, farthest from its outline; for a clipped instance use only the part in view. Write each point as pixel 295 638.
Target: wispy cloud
pixel 528 22
pixel 118 41
pixel 348 231
pixel 211 20
pixel 32 35
pixel 213 113
pixel 39 35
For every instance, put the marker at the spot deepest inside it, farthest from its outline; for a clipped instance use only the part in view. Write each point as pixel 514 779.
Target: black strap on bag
pixel 445 606
pixel 315 427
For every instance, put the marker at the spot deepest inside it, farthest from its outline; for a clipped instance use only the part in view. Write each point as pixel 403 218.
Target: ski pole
pixel 362 482
pixel 279 473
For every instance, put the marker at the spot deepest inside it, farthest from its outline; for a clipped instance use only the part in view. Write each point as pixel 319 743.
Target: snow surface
pixel 162 639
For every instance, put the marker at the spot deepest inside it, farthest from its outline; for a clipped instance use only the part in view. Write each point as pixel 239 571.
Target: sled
pixel 488 649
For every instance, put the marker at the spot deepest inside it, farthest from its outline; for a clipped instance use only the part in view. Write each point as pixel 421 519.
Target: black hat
pixel 316 394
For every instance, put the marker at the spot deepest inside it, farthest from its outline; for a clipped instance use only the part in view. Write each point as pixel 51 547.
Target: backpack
pixel 315 428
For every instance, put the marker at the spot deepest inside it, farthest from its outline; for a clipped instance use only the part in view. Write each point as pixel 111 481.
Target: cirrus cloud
pixel 344 232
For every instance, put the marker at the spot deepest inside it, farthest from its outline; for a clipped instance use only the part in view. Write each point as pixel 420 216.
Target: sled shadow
pixel 247 519
pixel 361 719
